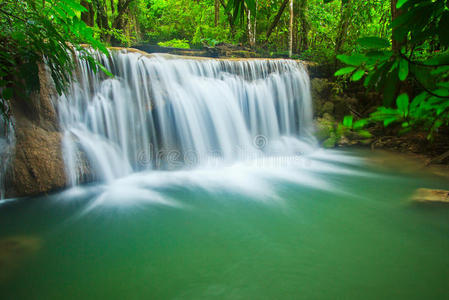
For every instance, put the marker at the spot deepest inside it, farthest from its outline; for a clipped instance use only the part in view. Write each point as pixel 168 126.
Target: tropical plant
pixel 33 31
pixel 414 64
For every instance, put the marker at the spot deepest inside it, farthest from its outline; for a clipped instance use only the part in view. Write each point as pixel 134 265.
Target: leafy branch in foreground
pixel 418 61
pixel 34 31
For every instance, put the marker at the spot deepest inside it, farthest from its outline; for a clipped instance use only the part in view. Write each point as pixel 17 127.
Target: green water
pixel 359 240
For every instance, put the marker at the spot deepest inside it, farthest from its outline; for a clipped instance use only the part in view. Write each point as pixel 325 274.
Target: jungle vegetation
pixel 397 47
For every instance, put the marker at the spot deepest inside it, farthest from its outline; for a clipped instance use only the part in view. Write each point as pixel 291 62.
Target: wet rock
pixel 331 142
pixel 328 107
pixel 424 195
pixel 38 165
pixel 321 90
pixel 13 251
pixel 328 117
pixel 324 129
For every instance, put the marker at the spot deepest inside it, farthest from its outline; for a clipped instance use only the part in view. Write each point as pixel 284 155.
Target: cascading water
pixel 164 112
pixel 6 145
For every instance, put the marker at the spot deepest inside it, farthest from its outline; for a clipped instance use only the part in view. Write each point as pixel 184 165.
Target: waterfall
pixel 163 112
pixel 7 142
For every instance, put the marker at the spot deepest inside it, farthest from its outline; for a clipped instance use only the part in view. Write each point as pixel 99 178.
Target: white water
pixel 170 113
pixel 7 143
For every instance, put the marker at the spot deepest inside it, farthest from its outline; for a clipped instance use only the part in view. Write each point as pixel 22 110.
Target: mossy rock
pixel 324 129
pixel 330 142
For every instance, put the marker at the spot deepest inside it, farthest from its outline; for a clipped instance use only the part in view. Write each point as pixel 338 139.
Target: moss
pixel 330 142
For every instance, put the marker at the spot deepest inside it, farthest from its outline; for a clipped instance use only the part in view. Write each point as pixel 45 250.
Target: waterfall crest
pixel 162 112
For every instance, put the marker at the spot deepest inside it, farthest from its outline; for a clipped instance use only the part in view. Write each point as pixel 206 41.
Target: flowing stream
pixel 209 185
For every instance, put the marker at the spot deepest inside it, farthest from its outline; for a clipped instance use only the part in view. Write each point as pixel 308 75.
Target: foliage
pixel 400 51
pixel 175 43
pixel 41 31
pixel 417 60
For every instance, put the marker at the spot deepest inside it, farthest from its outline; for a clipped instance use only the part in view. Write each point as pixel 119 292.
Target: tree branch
pixel 276 19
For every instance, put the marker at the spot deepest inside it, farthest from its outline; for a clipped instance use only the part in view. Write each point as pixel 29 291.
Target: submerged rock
pixel 424 195
pixel 13 250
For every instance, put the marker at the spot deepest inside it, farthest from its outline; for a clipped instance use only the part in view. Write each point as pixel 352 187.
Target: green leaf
pixel 106 71
pixel 364 133
pixel 353 60
pixel 440 70
pixel 75 6
pixel 442 92
pixel 358 75
pixel 390 120
pixel 373 43
pixel 7 93
pixel 403 69
pixel 360 123
pixel 347 121
pixel 440 59
pixel 418 100
pixel 390 83
pixel 402 103
pixel 443 84
pixel 400 3
pixel 344 71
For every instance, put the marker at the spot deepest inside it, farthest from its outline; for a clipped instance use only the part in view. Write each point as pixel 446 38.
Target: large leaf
pixel 360 123
pixel 344 71
pixel 418 100
pixel 358 75
pixel 347 121
pixel 402 103
pixel 440 70
pixel 440 59
pixel 373 43
pixel 403 69
pixel 400 3
pixel 353 60
pixel 390 88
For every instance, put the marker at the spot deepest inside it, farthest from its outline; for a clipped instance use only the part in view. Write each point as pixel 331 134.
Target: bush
pixel 175 43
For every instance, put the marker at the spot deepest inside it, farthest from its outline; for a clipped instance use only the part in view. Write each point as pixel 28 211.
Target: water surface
pixel 333 226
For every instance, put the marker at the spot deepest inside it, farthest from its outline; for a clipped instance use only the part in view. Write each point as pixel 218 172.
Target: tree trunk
pixel 304 31
pixel 290 31
pixel 295 27
pixel 230 19
pixel 250 33
pixel 87 16
pixel 276 19
pixel 102 20
pixel 217 12
pixel 255 24
pixel 345 18
pixel 394 14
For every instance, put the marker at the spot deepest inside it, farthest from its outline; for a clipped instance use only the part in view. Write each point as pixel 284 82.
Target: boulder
pixel 328 107
pixel 331 142
pixel 323 129
pixel 38 165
